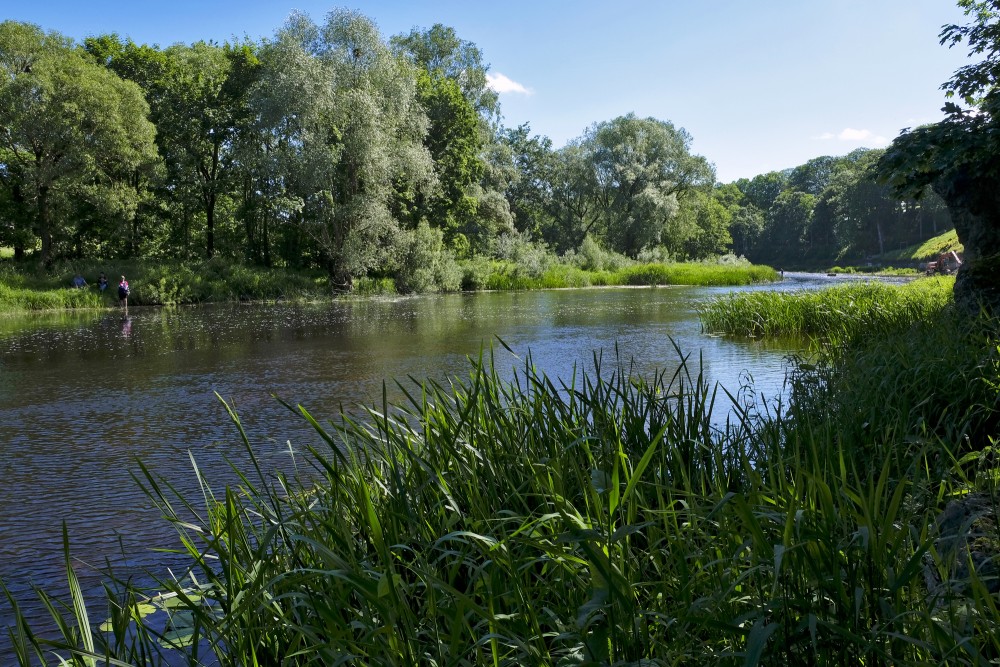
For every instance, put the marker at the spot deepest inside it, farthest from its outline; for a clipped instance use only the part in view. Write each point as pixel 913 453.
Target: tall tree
pixel 528 191
pixel 640 168
pixel 70 129
pixel 463 112
pixel 199 102
pixel 349 132
pixel 959 157
pixel 439 49
pixel 202 110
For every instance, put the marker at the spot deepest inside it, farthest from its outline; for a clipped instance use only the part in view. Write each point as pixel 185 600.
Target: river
pixel 83 395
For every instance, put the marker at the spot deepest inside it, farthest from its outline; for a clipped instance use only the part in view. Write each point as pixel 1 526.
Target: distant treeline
pixel 328 146
pixel 830 209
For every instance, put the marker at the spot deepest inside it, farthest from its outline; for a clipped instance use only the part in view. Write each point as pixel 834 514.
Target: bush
pixel 425 263
pixel 529 259
pixel 591 256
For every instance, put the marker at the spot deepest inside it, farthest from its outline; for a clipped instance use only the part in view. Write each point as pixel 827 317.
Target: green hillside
pixel 929 249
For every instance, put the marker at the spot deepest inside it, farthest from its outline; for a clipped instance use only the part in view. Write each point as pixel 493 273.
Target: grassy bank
pixel 27 288
pixel 842 311
pixel 169 283
pixel 609 523
pixel 509 276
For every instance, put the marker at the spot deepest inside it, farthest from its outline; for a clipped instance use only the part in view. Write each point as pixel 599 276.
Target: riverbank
pixel 517 523
pixel 213 281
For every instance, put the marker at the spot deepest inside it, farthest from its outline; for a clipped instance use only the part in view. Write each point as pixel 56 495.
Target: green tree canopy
pixel 959 157
pixel 343 112
pixel 638 168
pixel 71 130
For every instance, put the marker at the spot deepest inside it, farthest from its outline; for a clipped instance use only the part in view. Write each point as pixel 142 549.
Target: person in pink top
pixel 123 293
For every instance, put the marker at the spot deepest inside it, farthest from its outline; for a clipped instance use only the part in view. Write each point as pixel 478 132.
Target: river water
pixel 84 395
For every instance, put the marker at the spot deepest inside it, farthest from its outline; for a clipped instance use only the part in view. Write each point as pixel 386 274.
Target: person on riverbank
pixel 79 282
pixel 123 291
pixel 102 283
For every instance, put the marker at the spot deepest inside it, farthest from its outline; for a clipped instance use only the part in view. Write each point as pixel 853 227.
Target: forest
pixel 328 146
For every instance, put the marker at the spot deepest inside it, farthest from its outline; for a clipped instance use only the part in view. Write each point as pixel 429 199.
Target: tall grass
pixel 509 276
pixel 152 283
pixel 843 311
pixel 602 521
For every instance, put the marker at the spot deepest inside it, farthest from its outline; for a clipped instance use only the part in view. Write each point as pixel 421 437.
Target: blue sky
pixel 759 85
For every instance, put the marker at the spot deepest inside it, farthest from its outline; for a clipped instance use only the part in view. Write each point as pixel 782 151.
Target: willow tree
pixel 639 169
pixel 343 111
pixel 71 130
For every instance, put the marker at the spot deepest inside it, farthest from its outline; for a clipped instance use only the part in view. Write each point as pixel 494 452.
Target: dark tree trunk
pixel 974 204
pixel 44 225
pixel 210 228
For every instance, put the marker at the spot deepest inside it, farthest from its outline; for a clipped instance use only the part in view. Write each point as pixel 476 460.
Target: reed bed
pixel 602 521
pixel 844 311
pixel 508 276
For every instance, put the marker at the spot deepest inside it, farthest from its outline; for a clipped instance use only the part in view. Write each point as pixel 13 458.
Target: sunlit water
pixel 83 396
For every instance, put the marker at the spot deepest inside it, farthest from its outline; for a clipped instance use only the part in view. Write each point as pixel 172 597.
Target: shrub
pixel 425 264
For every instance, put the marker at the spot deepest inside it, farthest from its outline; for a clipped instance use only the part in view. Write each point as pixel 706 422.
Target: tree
pixel 528 192
pixel 439 50
pixel 201 111
pixel 199 103
pixel 711 218
pixel 455 143
pixel 640 167
pixel 788 221
pixel 763 189
pixel 959 157
pixel 463 113
pixel 342 112
pixel 72 131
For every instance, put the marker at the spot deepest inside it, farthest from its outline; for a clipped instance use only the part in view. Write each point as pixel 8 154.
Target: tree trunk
pixel 210 227
pixel 44 224
pixel 974 203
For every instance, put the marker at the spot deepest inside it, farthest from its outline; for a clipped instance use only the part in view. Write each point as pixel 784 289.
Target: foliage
pixel 830 209
pixel 425 264
pixel 958 156
pixel 73 135
pixel 592 257
pixel 153 283
pixel 638 170
pixel 937 245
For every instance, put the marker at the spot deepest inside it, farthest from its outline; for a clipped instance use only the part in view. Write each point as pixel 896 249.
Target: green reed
pixel 861 309
pixel 607 520
pixel 508 276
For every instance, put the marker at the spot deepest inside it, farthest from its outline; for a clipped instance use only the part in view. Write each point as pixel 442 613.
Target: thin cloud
pixel 503 84
pixel 853 136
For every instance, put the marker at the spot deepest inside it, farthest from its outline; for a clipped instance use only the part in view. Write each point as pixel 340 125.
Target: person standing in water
pixel 123 291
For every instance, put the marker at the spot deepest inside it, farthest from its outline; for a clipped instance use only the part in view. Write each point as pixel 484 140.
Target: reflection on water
pixel 83 395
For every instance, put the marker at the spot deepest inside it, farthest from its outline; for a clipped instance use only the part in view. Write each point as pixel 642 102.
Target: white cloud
pixel 850 135
pixel 502 84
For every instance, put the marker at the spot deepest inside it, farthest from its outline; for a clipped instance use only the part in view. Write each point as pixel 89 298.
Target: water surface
pixel 84 395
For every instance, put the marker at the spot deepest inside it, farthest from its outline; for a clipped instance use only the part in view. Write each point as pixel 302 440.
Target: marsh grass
pixel 24 288
pixel 842 312
pixel 509 276
pixel 602 521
